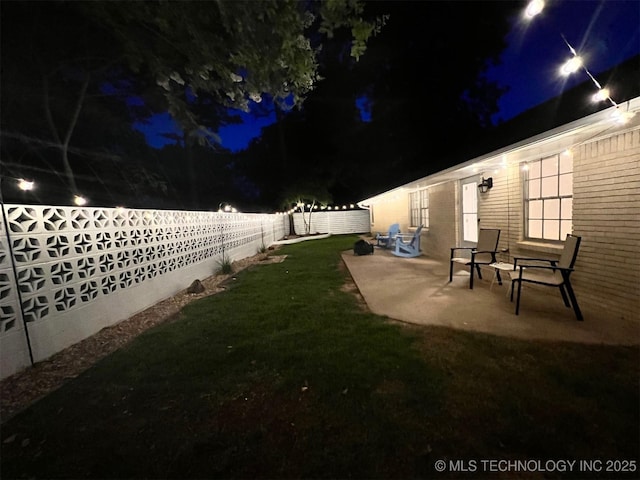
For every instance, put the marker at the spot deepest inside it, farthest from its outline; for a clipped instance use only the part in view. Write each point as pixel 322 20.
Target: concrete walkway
pixel 417 290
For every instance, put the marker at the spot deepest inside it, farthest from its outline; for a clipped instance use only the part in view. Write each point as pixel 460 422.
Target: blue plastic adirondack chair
pixel 408 245
pixel 387 240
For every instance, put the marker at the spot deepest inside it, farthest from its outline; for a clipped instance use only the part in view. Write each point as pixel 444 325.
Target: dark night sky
pixel 605 32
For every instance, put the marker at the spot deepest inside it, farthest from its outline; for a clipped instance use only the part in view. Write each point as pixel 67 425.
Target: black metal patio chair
pixel 484 253
pixel 553 273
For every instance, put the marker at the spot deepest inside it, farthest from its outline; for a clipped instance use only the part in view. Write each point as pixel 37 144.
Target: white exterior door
pixel 469 209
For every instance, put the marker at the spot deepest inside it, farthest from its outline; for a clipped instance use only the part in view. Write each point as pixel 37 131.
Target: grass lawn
pixel 284 375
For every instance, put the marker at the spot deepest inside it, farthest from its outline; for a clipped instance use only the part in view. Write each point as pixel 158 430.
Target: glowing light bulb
pixel 25 184
pixel 79 200
pixel 601 95
pixel 571 65
pixel 534 8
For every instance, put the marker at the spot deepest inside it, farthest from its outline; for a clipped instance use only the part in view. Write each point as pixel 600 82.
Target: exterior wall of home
pixel 443 227
pixel 391 208
pixel 501 207
pixel 606 213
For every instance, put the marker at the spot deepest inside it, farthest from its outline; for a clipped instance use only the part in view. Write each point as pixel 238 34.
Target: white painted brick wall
pixel 606 213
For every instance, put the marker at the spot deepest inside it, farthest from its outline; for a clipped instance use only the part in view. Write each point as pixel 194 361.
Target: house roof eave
pixel 566 136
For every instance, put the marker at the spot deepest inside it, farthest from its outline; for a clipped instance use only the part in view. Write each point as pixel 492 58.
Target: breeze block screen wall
pixel 67 272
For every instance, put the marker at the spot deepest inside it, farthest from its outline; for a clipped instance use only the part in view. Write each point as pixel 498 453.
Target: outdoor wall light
pixel 485 185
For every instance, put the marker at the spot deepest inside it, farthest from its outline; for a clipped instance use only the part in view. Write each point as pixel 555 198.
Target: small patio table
pixel 503 267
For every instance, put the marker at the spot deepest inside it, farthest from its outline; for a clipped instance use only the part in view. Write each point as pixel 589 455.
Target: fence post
pixel 15 274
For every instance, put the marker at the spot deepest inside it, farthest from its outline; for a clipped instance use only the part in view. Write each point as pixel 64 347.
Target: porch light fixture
pixel 485 185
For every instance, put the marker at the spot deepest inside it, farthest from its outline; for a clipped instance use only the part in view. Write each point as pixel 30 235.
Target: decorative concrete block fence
pixel 82 269
pixel 68 272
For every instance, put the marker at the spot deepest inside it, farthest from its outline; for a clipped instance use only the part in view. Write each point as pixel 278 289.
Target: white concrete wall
pixel 82 269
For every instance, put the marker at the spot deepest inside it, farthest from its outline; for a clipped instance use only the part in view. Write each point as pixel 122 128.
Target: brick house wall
pixel 606 214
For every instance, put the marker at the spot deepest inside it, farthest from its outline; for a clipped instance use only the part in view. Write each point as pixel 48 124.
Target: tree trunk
pixel 64 143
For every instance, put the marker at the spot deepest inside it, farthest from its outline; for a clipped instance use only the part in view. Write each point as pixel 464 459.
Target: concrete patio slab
pixel 417 291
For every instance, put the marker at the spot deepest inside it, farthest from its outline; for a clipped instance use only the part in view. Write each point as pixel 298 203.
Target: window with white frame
pixel 549 197
pixel 419 206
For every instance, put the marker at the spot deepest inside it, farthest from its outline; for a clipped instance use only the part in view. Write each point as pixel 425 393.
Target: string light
pixel 601 95
pixel 534 8
pixel 572 65
pixel 224 207
pixel 575 63
pixel 25 185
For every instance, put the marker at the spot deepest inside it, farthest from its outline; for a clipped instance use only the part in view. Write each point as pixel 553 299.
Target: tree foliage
pixel 63 97
pixel 70 69
pixel 230 52
pixel 77 75
pixel 423 78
